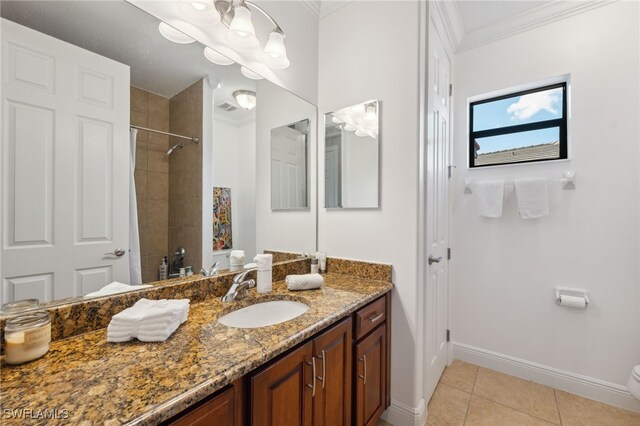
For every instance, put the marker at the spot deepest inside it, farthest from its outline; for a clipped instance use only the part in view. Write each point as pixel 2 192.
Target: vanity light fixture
pixel 215 57
pixel 236 16
pixel 245 98
pixel 174 35
pixel 250 74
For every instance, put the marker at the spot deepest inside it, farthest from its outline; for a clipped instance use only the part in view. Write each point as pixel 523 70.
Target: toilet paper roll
pixel 573 301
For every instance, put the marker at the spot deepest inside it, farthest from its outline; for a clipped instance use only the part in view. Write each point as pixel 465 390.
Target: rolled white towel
pixel 236 258
pixel 263 261
pixel 304 282
pixel 148 320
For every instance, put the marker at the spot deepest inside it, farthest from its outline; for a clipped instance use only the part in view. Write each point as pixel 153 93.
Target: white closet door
pixel 65 167
pixel 288 169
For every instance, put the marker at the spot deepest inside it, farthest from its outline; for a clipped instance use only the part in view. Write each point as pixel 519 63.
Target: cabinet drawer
pixel 370 317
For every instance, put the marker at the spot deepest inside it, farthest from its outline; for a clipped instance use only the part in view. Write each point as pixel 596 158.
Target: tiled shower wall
pixel 152 179
pixel 185 180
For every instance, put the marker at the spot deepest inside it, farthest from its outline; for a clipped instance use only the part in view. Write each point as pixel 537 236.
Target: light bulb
pixel 216 58
pixel 245 98
pixel 201 5
pixel 174 35
pixel 349 128
pixel 241 33
pixel 361 133
pixel 275 53
pixel 336 120
pixel 250 74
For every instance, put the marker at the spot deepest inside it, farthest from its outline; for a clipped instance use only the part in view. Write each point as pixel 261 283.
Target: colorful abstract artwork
pixel 222 235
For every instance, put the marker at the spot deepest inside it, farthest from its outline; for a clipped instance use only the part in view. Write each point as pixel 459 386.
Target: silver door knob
pixel 433 260
pixel 118 252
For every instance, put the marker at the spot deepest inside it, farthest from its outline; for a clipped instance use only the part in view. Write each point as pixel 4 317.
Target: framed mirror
pixel 129 142
pixel 352 157
pixel 289 166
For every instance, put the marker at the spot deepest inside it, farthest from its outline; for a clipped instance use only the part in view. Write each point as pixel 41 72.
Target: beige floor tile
pixel 483 412
pixel 460 375
pixel 448 406
pixel 522 395
pixel 383 423
pixel 576 410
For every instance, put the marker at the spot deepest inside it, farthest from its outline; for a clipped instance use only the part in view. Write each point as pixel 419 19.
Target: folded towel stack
pixel 304 282
pixel 115 288
pixel 148 320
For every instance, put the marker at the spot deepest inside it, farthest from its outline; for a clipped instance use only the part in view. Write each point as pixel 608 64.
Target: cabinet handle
pixel 364 376
pixel 324 368
pixel 313 373
pixel 376 318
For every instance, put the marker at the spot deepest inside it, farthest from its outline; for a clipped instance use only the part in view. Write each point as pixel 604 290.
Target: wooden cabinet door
pixel 217 411
pixel 282 394
pixel 333 353
pixel 371 385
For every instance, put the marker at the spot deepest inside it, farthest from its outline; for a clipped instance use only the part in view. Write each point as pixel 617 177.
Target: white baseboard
pixel 599 390
pixel 399 414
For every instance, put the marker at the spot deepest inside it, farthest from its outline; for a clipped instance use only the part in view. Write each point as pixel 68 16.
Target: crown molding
pixel 536 17
pixel 327 7
pixel 313 6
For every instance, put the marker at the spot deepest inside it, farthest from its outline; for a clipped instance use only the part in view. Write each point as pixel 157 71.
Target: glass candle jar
pixel 27 337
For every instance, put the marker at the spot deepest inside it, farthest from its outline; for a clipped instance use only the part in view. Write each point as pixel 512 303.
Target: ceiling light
pixel 250 74
pixel 216 58
pixel 275 53
pixel 245 98
pixel 241 33
pixel 174 35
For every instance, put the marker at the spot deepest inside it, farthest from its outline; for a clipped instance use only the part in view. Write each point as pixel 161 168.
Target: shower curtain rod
pixel 192 139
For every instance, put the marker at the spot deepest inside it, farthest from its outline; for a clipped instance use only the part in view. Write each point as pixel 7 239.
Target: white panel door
pixel 288 169
pixel 437 211
pixel 65 167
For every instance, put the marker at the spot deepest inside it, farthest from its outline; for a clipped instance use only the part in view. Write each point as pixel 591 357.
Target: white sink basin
pixel 264 314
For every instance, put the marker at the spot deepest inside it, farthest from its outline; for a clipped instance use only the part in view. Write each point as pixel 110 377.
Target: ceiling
pixel 477 14
pixel 126 34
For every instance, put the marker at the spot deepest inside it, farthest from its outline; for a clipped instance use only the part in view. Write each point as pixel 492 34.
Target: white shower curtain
pixel 135 268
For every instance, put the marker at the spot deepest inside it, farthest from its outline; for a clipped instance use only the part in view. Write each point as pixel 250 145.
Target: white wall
pixel 234 167
pixel 285 230
pixel 504 270
pixel 369 50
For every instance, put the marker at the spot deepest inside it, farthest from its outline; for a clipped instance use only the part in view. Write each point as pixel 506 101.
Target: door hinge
pixel 450 171
pixel 448 335
pixel 449 253
pixel 450 89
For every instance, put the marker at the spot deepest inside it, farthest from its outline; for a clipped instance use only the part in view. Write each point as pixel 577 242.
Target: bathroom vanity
pixel 234 376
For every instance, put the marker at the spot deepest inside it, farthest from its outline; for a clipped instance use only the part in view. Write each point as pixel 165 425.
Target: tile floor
pixel 474 396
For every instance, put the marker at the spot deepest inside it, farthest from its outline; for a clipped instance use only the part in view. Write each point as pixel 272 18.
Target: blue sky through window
pixel 530 108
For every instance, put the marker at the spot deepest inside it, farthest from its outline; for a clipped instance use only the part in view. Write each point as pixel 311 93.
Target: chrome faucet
pixel 239 287
pixel 213 271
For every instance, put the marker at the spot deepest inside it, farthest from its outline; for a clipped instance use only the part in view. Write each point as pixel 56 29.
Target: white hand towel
pixel 489 196
pixel 304 282
pixel 115 288
pixel 532 197
pixel 264 261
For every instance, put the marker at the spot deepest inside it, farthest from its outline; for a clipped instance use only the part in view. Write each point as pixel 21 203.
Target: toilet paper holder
pixel 573 292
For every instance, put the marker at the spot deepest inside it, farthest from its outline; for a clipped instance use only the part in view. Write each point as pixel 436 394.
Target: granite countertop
pixel 95 382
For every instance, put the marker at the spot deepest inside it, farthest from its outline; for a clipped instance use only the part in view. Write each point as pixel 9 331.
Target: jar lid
pixel 20 305
pixel 26 321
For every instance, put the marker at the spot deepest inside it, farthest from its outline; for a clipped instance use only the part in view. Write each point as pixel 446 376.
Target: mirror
pixel 289 165
pixel 124 148
pixel 351 155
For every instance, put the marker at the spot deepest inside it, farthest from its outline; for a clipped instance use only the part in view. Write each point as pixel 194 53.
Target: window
pixel 521 127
